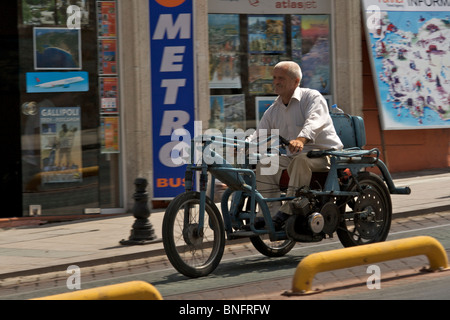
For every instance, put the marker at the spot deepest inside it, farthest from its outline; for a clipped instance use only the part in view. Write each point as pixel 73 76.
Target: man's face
pixel 283 84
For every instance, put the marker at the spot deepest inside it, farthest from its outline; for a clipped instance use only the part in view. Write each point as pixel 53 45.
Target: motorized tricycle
pixel 350 200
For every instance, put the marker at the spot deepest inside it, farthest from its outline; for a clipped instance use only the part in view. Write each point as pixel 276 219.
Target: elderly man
pixel 301 115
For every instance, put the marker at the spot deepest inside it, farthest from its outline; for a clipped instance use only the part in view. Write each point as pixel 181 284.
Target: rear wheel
pixel 372 209
pixel 272 248
pixel 262 243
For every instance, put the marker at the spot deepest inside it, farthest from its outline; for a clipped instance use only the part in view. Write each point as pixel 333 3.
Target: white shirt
pixel 305 116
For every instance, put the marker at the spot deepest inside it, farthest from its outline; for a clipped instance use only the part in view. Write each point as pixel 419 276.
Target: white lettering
pixel 373 282
pixel 74 18
pixel 174 154
pixel 165 25
pixel 245 309
pixel 180 153
pixel 172 86
pixel 167 151
pixel 74 281
pixel 196 310
pixel 60 112
pixel 172 55
pixel 172 120
pixel 373 18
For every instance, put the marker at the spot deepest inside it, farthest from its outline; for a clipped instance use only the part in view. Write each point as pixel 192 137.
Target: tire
pixel 374 204
pixel 272 249
pixel 191 253
pixel 261 243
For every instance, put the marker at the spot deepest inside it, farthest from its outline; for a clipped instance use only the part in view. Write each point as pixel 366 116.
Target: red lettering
pixel 391 1
pixel 288 4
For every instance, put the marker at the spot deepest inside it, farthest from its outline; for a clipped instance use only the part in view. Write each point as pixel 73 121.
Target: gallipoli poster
pixel 61 145
pixel 409 46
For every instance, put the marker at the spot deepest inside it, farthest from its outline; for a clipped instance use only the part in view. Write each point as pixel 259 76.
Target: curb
pixel 7 223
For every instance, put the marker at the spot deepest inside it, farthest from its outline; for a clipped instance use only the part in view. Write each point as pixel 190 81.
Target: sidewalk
pixel 53 247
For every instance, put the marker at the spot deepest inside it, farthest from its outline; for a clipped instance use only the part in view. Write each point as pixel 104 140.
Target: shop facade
pixel 95 91
pixel 64 113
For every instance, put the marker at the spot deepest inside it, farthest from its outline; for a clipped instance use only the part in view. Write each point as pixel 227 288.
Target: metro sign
pixel 173 89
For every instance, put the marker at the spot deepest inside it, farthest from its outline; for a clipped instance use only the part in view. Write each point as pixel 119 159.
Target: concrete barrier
pixel 134 290
pixel 366 254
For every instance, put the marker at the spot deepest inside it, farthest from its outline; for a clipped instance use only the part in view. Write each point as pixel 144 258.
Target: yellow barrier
pixel 367 254
pixel 134 290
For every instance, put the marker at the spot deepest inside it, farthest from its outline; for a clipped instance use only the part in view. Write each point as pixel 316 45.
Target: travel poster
pixel 109 127
pixel 107 50
pixel 266 34
pixel 106 18
pixel 224 43
pixel 61 155
pixel 109 95
pixel 262 104
pixel 409 48
pixel 260 73
pixel 57 48
pixel 227 112
pixel 315 58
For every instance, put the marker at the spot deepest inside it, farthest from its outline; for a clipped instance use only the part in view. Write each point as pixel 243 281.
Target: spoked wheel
pixel 272 248
pixel 372 212
pixel 193 251
pixel 262 243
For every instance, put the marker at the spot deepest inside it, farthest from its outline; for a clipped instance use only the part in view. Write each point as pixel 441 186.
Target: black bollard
pixel 142 230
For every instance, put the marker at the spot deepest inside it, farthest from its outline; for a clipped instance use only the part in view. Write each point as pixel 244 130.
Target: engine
pixel 311 222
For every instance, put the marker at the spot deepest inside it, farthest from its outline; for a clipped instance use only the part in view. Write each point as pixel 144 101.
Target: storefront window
pixel 70 117
pixel 245 43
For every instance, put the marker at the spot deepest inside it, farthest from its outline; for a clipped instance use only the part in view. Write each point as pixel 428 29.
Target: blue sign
pixel 42 82
pixel 173 90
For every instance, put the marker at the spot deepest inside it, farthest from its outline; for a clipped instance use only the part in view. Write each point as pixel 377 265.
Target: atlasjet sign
pixel 173 89
pixel 270 6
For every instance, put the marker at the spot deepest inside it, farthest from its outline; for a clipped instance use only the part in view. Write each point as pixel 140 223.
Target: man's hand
pixel 297 145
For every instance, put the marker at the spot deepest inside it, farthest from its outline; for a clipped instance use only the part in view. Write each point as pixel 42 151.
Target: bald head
pixel 286 79
pixel 291 68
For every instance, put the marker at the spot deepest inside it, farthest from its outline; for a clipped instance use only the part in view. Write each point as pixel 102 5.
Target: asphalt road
pixel 246 274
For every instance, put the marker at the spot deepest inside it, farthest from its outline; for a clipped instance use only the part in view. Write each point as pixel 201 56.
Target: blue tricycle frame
pixel 195 230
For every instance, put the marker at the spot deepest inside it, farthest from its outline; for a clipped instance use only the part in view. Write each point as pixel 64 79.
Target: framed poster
pixel 51 12
pixel 260 73
pixel 109 127
pixel 227 112
pixel 109 97
pixel 61 155
pixel 224 45
pixel 106 19
pixel 266 34
pixel 57 48
pixel 409 46
pixel 262 104
pixel 107 51
pixel 315 59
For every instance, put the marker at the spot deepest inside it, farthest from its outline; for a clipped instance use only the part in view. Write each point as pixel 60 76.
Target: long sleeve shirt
pixel 305 116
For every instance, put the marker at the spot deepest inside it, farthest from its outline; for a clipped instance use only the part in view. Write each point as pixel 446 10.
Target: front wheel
pixel 372 212
pixel 193 250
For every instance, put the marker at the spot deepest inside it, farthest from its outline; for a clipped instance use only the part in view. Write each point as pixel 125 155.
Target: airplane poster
pixel 44 82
